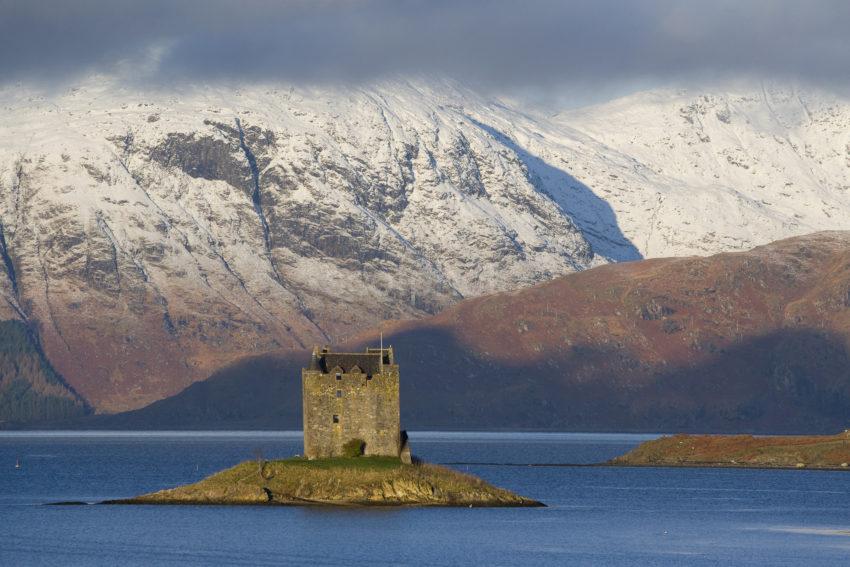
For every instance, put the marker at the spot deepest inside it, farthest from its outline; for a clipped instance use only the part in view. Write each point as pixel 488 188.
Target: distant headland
pixel 744 451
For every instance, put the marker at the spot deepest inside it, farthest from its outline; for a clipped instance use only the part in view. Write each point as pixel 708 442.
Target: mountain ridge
pixel 193 227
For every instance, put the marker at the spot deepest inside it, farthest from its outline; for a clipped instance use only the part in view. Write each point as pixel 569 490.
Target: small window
pixel 336 419
pixel 338 376
pixel 339 393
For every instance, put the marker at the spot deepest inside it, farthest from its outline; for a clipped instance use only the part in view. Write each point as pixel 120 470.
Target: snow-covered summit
pixel 703 172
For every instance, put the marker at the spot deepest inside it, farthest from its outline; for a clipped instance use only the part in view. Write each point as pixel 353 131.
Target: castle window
pixel 338 376
pixel 339 393
pixel 336 419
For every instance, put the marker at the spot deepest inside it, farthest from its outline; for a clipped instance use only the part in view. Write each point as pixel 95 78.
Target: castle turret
pixel 314 359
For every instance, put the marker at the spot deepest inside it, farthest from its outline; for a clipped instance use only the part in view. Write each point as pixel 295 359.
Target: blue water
pixel 596 515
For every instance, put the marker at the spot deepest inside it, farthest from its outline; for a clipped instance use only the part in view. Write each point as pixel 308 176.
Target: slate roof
pixel 369 363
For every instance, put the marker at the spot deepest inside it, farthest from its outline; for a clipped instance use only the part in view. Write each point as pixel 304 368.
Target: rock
pixel 359 481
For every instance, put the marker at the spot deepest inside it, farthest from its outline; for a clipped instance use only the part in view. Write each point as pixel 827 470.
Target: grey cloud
pixel 496 42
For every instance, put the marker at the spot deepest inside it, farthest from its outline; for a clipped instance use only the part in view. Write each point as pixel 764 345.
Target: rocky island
pixel 358 481
pixel 355 452
pixel 744 451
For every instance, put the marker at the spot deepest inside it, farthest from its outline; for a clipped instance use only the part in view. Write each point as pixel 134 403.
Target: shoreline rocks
pixel 360 481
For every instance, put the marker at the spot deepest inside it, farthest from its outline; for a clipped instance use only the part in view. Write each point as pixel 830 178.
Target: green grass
pixel 365 463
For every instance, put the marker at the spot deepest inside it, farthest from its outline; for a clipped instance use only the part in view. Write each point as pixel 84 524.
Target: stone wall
pixel 366 408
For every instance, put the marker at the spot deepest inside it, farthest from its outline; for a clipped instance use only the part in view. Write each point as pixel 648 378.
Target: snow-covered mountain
pixel 154 236
pixel 705 172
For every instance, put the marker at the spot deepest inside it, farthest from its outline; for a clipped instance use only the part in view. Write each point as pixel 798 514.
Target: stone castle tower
pixel 352 396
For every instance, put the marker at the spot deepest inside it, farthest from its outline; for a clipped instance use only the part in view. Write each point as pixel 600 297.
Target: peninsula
pixel 744 451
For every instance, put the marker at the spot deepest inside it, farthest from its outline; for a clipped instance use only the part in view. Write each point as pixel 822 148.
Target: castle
pixel 350 396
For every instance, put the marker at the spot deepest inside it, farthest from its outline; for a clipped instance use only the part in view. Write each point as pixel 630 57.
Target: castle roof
pixel 368 362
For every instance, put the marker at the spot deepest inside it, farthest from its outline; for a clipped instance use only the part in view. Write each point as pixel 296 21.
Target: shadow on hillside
pixel 256 392
pixel 593 216
pixel 788 381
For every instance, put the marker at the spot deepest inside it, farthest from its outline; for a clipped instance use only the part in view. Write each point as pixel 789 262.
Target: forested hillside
pixel 30 389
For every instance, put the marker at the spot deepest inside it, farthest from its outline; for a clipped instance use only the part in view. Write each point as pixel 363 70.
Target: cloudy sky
pixel 497 43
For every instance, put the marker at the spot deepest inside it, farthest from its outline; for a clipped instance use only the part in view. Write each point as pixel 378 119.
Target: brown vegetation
pixel 811 452
pixel 750 341
pixel 756 341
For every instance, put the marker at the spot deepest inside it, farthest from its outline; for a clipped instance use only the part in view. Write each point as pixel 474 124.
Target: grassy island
pixel 801 452
pixel 360 481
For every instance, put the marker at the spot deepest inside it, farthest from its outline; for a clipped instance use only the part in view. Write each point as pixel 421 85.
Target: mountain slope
pixel 748 341
pixel 30 389
pixel 755 341
pixel 200 228
pixel 699 172
pixel 154 237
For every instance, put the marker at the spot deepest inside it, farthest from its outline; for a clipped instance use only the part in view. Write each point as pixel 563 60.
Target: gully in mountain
pixel 256 199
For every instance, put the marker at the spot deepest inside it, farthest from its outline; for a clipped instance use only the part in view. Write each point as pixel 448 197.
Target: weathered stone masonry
pixel 351 396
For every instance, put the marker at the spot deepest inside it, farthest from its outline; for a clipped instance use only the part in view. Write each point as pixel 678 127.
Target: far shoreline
pixel 797 452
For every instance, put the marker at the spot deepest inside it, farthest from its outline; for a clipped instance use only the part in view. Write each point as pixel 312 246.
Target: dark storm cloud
pixel 499 42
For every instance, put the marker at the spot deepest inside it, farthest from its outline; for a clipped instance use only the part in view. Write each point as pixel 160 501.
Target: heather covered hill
pixel 755 341
pixel 752 341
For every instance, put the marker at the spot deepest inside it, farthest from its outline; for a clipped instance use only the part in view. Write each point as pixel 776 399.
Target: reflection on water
pixel 596 515
pixel 809 531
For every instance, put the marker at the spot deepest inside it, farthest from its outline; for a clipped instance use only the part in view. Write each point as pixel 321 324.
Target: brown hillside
pixel 755 341
pixel 748 340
